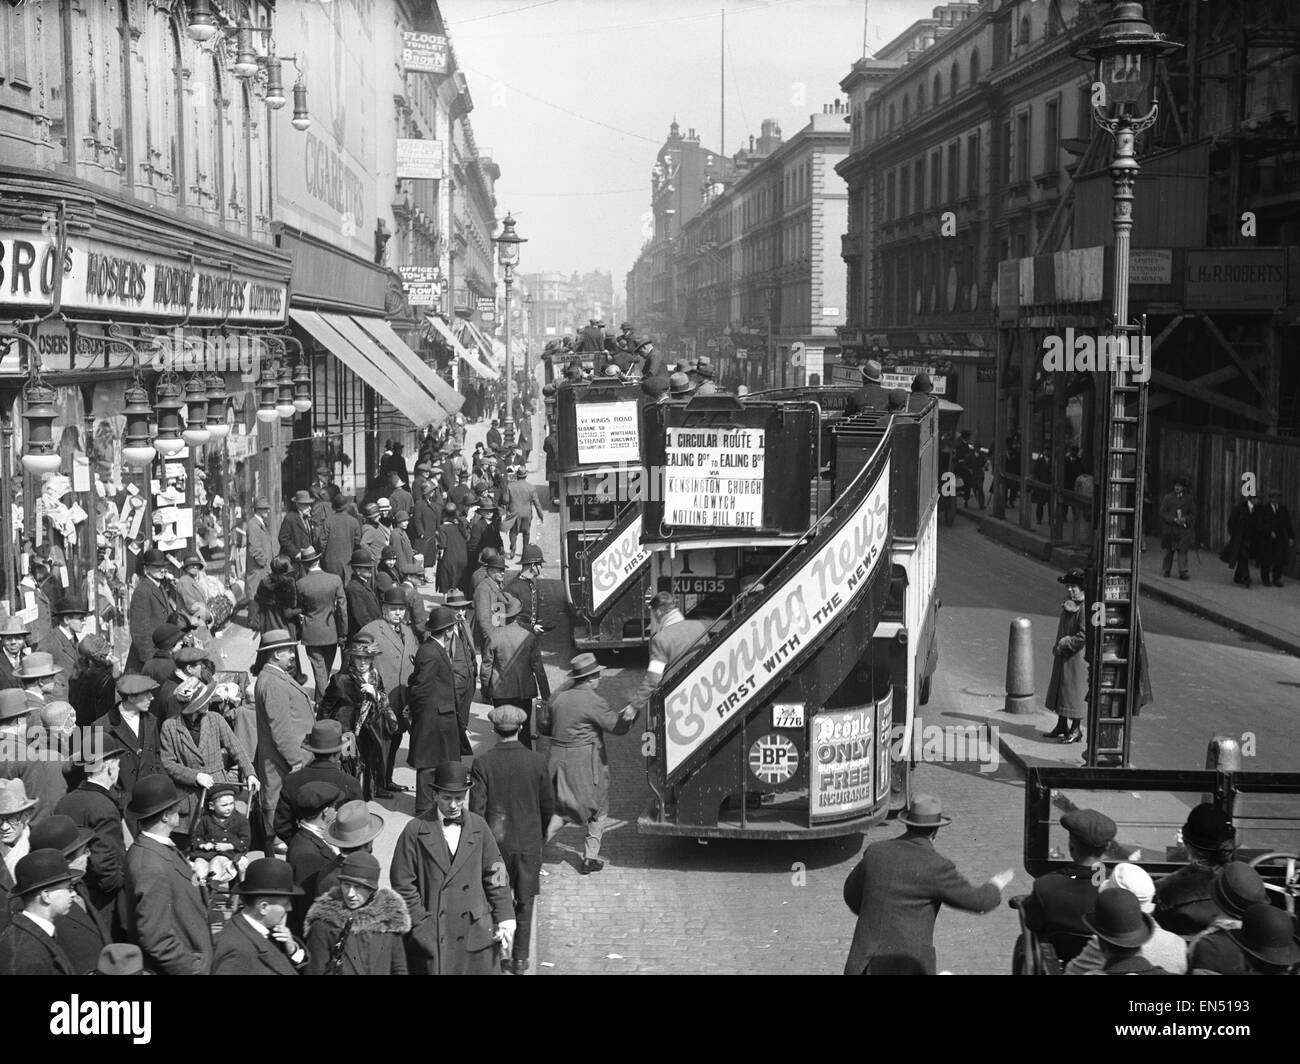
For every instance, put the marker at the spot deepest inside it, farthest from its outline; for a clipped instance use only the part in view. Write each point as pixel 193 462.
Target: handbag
pixel 543 717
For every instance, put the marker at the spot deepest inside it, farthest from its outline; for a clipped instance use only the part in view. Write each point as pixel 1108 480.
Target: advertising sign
pixel 843 757
pixel 1235 279
pixel 422 295
pixel 616 563
pixel 424 53
pixel 735 672
pixel 419 159
pixel 607 433
pixel 901 377
pixel 714 477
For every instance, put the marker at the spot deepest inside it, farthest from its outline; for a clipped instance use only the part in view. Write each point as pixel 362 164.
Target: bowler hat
pixel 1207 827
pixel 361 868
pixel 134 683
pixel 507 718
pixel 275 639
pixel 314 798
pixel 680 384
pixel 13 626
pixel 1119 919
pixel 41 869
pixel 1237 887
pixel 1268 933
pixel 152 795
pixel 308 555
pixel 926 811
pixel 362 559
pixel 1073 578
pixel 325 737
pixel 97 745
pixel 457 600
pixel 120 958
pixel 166 635
pixel 13 703
pixel 393 596
pixel 71 604
pixel 452 777
pixel 1095 830
pixel 871 371
pixel 532 555
pixel 302 498
pixel 60 832
pixel 13 797
pixel 354 826
pixel 440 619
pixel 584 665
pixel 921 384
pixel 153 557
pixel 268 877
pixel 37 666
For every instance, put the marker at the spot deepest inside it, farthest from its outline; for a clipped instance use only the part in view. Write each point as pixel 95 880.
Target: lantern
pixel 203 21
pixel 1123 54
pixel 168 403
pixel 136 448
pixel 196 411
pixel 218 426
pixel 284 393
pixel 40 456
pixel 245 65
pixel 301 119
pixel 275 98
pixel 301 388
pixel 267 393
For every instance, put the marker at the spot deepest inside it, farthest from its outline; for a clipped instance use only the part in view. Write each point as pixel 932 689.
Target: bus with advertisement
pixel 785 722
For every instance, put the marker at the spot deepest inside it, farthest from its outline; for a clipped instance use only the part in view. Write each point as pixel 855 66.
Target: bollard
pixel 1020 668
pixel 1222 755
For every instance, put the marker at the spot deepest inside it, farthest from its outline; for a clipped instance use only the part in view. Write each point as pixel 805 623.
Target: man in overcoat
pixel 896 891
pixel 512 673
pixel 257 939
pixel 1178 528
pixel 324 616
pixel 29 945
pixel 452 541
pixel 396 645
pixel 1067 691
pixel 93 808
pixel 325 745
pixel 258 552
pixel 284 715
pixel 342 535
pixel 70 613
pixel 152 604
pixel 431 698
pixel 1240 549
pixel 81 931
pixel 1275 536
pixel 362 599
pixel 448 869
pixel 297 530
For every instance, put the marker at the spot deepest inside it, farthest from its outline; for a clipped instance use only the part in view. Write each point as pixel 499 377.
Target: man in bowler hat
pixel 431 699
pixel 257 939
pixel 871 396
pixel 29 945
pixel 152 604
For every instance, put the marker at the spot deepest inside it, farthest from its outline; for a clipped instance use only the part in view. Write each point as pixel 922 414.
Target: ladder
pixel 1113 627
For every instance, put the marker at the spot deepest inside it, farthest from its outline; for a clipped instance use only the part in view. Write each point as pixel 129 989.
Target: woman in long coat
pixel 277 598
pixel 356 927
pixel 1067 693
pixel 356 699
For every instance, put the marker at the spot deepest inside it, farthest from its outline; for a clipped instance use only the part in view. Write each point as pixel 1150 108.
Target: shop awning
pixel 413 403
pixel 425 376
pixel 444 330
pixel 484 344
pixel 389 364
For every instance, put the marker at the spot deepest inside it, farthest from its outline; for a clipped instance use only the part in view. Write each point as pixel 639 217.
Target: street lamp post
pixel 508 256
pixel 1124 54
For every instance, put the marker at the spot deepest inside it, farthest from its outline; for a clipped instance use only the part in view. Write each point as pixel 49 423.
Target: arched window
pixel 48 28
pixel 891 117
pixel 1023 38
pixel 907 110
pixel 161 167
pixel 954 77
pixel 974 67
pixel 920 99
pixel 938 89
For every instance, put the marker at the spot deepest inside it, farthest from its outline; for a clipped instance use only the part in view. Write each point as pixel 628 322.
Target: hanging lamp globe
pixel 168 403
pixel 218 426
pixel 40 454
pixel 137 450
pixel 196 411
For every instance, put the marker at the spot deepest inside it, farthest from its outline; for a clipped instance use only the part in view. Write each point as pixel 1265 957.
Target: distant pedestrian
pixel 897 889
pixel 1067 692
pixel 1276 538
pixel 1178 524
pixel 512 673
pixel 1240 549
pixel 431 697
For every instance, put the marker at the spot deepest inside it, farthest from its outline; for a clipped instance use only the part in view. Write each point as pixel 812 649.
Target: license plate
pixel 787 714
pixel 700 585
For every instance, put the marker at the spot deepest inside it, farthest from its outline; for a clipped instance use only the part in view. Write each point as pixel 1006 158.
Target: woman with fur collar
pixel 357 927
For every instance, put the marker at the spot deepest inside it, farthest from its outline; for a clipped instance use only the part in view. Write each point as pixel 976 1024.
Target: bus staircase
pixel 705 775
pixel 614 582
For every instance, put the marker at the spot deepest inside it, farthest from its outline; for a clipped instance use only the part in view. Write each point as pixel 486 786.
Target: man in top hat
pixel 93 806
pixel 1267 937
pixel 527 588
pixel 871 396
pixel 257 939
pixel 311 855
pixel 512 791
pixel 395 646
pixel 21 759
pixel 340 536
pixel 432 701
pixel 132 724
pixel 897 889
pixel 324 616
pixel 284 715
pixel 324 744
pixel 360 593
pixel 1185 898
pixel 447 867
pixel 578 765
pixel 1067 691
pixel 259 549
pixel 29 945
pixel 297 530
pixel 521 504
pixel 512 673
pixel 1274 536
pixel 490 598
pixel 13 648
pixel 61 644
pixel 81 931
pixel 1178 527
pixel 152 604
pixel 1062 897
pixel 162 904
pixel 1122 929
pixel 452 538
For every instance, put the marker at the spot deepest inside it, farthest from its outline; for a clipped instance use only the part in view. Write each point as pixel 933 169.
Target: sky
pixel 574 99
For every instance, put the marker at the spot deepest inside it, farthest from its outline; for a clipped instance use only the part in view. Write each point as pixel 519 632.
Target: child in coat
pixel 221 840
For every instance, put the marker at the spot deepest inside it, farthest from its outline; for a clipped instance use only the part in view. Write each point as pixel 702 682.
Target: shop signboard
pixel 419 159
pixel 713 477
pixel 607 433
pixel 424 53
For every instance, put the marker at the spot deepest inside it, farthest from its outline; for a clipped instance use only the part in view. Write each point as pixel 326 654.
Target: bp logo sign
pixel 773 758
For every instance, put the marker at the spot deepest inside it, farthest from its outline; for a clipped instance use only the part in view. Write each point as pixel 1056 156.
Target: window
pixel 15 45
pixel 1022 146
pixel 1051 136
pixel 48 20
pixel 890 196
pixel 918 191
pixel 938 89
pixel 905 190
pixel 891 117
pixel 1007 157
pixel 954 170
pixel 953 78
pixel 936 178
pixel 920 98
pixel 1023 36
pixel 973 165
pixel 1083 125
pixel 907 110
pixel 974 68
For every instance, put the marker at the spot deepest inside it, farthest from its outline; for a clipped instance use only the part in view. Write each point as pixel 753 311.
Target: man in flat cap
pixel 1061 898
pixel 512 791
pixel 311 855
pixel 152 604
pixel 132 724
pixel 324 747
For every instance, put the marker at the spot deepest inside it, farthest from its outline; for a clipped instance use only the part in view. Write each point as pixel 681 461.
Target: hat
pixel 613 371
pixel 532 555
pixel 13 626
pixel 120 958
pixel 325 737
pixel 1074 577
pixel 393 596
pixel 193 560
pixel 400 515
pixel 625 325
pixel 60 833
pixel 90 754
pixel 1095 830
pixel 488 504
pixel 388 554
pixel 13 797
pixel 313 798
pixel 1134 879
pixel 13 703
pixel 261 504
pixel 926 811
pixel 512 607
pixel 1119 920
pixel 495 562
pixel 896 399
pixel 362 559
pixel 871 371
pixel 507 718
pixel 153 557
pixel 152 795
pixel 360 868
pixel 41 869
pixel 680 384
pixel 36 666
pixel 1207 828
pixel 584 665
pixel 275 639
pixel 361 646
pixel 370 509
pixel 354 826
pixel 440 619
pixel 452 777
pixel 384 506
pixel 93 646
pixel 166 635
pixel 704 366
pixel 199 697
pixel 921 383
pixel 71 604
pixel 457 600
pixel 134 683
pixel 302 498
pixel 1237 887
pixel 270 877
pixel 190 655
pixel 218 790
pixel 1266 933
pixel 308 555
